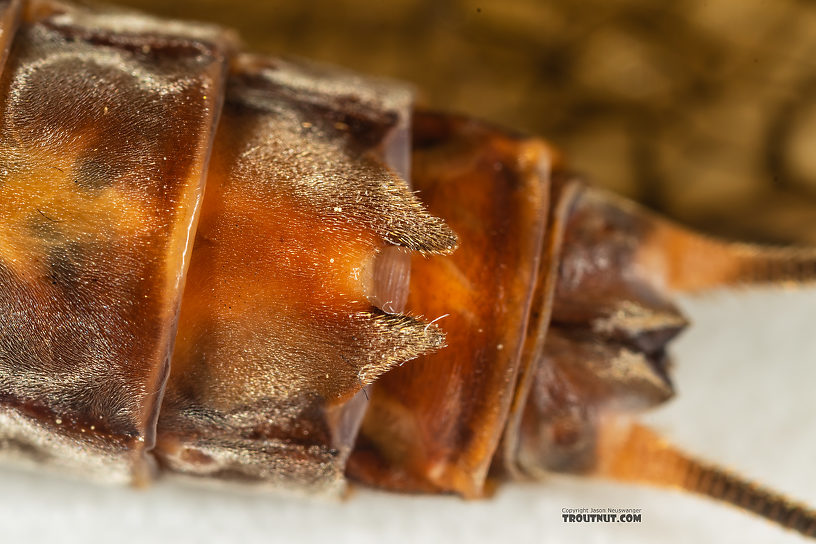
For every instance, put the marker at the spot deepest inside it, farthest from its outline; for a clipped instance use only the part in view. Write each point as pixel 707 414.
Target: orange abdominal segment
pixel 278 329
pixel 104 135
pixel 435 424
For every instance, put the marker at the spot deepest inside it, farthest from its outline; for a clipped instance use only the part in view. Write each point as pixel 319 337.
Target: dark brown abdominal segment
pixel 435 424
pixel 612 319
pixel 279 328
pixel 578 376
pixel 605 345
pixel 102 159
pixel 605 352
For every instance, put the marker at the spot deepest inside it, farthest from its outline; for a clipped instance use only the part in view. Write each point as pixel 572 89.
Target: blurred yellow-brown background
pixel 702 109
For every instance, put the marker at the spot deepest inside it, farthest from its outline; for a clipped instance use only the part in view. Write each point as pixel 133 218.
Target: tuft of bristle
pixel 396 340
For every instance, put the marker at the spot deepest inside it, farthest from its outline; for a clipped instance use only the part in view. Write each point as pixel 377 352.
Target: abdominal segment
pixel 279 330
pixel 213 263
pixel 292 273
pixel 550 321
pixel 104 135
pixel 435 424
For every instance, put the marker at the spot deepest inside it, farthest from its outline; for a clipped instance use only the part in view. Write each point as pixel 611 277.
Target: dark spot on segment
pixel 95 171
pixel 64 265
pixel 41 225
pixel 149 46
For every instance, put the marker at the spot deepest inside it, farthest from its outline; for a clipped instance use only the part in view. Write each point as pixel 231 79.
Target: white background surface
pixel 745 374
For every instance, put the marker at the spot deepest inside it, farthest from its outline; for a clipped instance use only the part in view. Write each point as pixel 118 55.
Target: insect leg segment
pixel 676 259
pixel 636 454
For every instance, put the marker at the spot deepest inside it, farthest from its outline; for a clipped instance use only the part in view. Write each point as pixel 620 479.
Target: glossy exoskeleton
pixel 213 267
